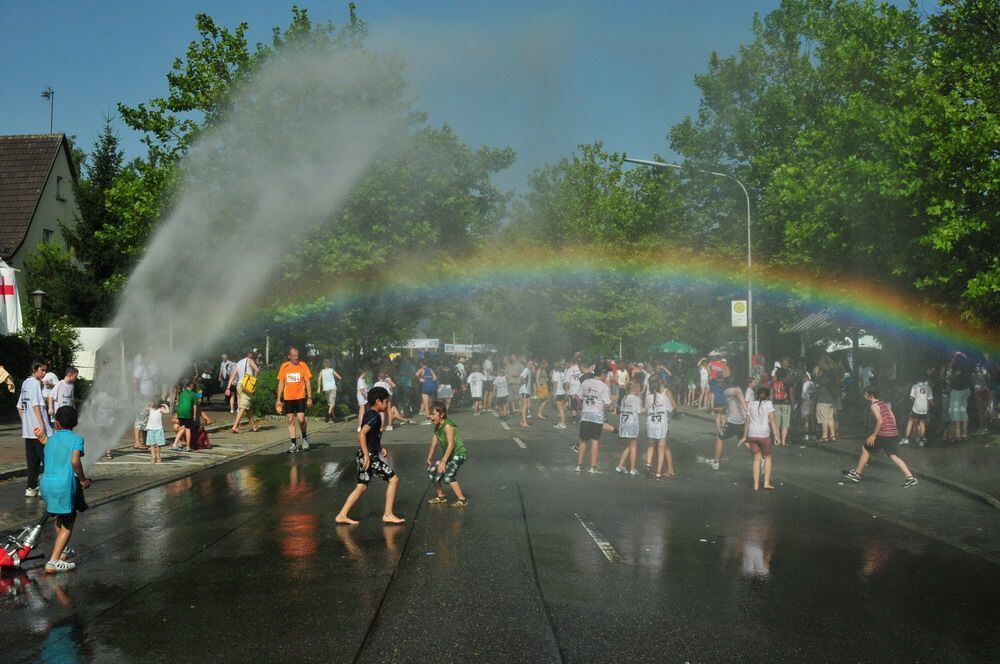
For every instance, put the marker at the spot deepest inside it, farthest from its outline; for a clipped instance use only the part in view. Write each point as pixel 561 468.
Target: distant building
pixel 36 195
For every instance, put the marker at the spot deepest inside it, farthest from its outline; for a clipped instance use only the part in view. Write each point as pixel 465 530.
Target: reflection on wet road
pixel 245 562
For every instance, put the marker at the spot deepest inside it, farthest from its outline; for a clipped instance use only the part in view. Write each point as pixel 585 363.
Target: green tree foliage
pixel 868 136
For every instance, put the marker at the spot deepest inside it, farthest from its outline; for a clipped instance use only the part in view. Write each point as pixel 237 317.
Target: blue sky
pixel 541 77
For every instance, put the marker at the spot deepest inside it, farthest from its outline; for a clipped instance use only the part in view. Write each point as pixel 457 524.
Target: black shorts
pixel 560 397
pixel 379 467
pixel 888 444
pixel 590 430
pixel 292 406
pixel 502 401
pixel 186 422
pixel 731 430
pixel 64 520
pixel 918 417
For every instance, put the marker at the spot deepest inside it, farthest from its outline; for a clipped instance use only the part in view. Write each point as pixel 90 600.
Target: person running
pixel 453 455
pixel 757 432
pixel 326 385
pixel 61 485
pixel 295 398
pixel 525 381
pixel 781 398
pixel 476 381
pixel 736 417
pixel 659 404
pixel 628 428
pixel 559 388
pixel 923 400
pixel 372 459
pixel 885 437
pixel 595 397
pixel 35 425
pixel 238 387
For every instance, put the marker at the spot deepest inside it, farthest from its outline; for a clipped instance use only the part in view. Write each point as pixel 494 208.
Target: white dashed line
pixel 520 443
pixel 602 544
pixel 505 426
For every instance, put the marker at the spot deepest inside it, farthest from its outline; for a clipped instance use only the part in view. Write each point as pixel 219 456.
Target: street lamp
pixel 38 299
pixel 661 164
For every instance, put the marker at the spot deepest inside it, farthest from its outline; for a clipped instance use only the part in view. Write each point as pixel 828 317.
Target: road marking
pixel 505 426
pixel 520 443
pixel 602 544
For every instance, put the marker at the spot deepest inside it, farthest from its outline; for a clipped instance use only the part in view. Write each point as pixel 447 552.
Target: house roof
pixel 25 164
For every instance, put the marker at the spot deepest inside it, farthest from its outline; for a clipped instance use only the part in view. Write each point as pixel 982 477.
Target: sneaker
pixel 426 422
pixel 575 447
pixel 910 481
pixel 293 448
pixel 620 469
pixel 304 447
pixel 459 504
pixel 560 426
pixel 388 428
pixel 593 470
pixel 579 469
pixel 56 566
pixel 659 477
pixel 904 441
pixel 853 476
pixel 634 473
pixel 67 554
pixel 31 492
pixel 437 500
pixel 713 464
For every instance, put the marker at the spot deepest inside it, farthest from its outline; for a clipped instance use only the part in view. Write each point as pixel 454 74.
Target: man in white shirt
pixel 245 367
pixel 63 393
pixel 476 380
pixel 595 397
pixel 572 377
pixel 34 424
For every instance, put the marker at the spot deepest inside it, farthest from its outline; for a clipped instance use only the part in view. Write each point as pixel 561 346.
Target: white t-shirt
pixel 226 368
pixel 327 380
pixel 145 377
pixel 475 381
pixel 500 383
pixel 524 389
pixel 758 412
pixel 703 376
pixel 622 378
pixel 596 397
pixel 155 419
pixel 558 379
pixel 62 395
pixel 31 395
pixel 488 369
pixel 631 406
pixel 242 369
pixel 384 385
pixel 362 389
pixel 921 395
pixel 658 404
pixel 48 384
pixel 572 377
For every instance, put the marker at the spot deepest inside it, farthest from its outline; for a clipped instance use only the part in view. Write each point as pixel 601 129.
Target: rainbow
pixel 854 300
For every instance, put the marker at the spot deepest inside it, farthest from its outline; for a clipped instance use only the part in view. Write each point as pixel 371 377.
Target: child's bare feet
pixel 392 518
pixel 346 520
pixel 768 486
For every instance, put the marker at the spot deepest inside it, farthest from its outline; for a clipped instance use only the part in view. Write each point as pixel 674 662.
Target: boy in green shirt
pixel 453 455
pixel 187 414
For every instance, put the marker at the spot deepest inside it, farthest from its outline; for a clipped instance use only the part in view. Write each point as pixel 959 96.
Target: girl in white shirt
pixel 362 395
pixel 757 433
pixel 559 387
pixel 628 427
pixel 155 438
pixel 659 404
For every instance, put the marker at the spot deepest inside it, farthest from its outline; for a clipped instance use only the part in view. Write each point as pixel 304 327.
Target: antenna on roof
pixel 50 95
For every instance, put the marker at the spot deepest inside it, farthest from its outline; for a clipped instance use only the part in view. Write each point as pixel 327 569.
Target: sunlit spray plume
pixel 296 138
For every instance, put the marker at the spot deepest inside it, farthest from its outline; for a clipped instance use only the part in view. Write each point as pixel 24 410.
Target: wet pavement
pixel 244 562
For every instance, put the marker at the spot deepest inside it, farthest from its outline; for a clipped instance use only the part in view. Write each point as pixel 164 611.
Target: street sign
pixel 469 348
pixel 739 311
pixel 422 344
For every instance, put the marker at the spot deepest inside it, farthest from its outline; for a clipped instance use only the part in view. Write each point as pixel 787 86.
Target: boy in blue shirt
pixel 63 471
pixel 372 459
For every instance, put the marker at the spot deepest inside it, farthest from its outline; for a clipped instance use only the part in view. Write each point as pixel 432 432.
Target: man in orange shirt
pixel 295 397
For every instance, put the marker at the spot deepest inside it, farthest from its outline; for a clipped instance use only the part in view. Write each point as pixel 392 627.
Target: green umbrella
pixel 675 347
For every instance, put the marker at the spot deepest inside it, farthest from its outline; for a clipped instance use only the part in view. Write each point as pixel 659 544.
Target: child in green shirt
pixel 453 454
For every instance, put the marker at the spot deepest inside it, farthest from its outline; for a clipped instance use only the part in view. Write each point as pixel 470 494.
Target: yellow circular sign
pixel 739 307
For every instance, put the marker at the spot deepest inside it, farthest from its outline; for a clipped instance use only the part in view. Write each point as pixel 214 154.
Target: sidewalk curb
pixel 958 487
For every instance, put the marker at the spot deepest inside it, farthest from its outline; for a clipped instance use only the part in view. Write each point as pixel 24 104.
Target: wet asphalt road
pixel 245 563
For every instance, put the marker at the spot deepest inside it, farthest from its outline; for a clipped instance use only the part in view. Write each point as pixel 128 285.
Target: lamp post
pixel 38 304
pixel 750 335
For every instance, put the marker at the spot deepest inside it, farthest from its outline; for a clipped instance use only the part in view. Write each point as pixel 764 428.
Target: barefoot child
pixel 757 432
pixel 453 455
pixel 63 471
pixel 155 439
pixel 628 427
pixel 372 459
pixel 659 404
pixel 885 437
